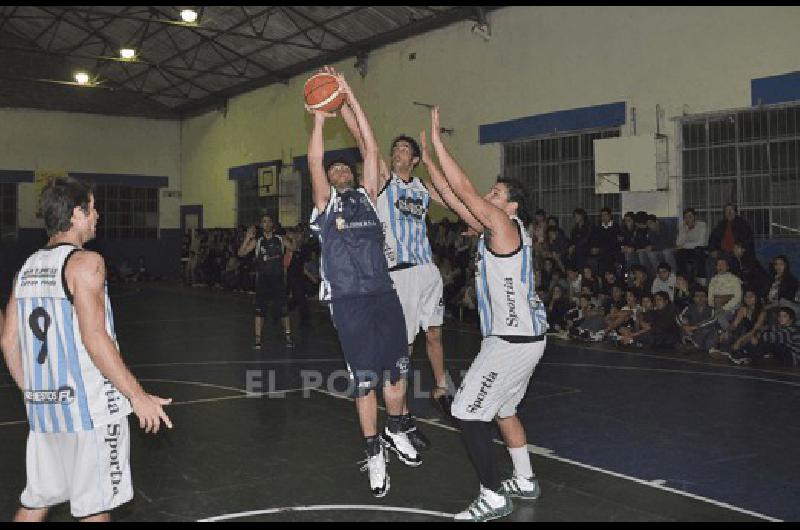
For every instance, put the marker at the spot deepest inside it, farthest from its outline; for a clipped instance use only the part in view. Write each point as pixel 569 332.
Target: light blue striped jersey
pixel 403 209
pixel 507 301
pixel 64 391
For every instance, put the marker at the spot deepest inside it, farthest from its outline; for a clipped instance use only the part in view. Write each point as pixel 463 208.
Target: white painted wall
pixel 87 143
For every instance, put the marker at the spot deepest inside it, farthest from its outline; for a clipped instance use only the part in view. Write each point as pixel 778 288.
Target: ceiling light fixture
pixel 82 78
pixel 189 16
pixel 127 53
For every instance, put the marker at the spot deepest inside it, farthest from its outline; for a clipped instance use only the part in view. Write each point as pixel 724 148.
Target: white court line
pixel 323 507
pixel 549 453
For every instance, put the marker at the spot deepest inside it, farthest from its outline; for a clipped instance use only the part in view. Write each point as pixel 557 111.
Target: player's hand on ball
pixel 320 114
pixel 149 409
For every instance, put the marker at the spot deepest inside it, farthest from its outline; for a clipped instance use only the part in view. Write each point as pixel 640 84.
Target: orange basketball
pixel 322 92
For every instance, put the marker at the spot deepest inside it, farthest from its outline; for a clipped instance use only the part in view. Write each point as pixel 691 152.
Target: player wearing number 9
pixel 61 350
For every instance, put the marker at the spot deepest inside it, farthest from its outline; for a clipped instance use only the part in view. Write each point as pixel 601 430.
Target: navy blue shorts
pixel 270 297
pixel 372 332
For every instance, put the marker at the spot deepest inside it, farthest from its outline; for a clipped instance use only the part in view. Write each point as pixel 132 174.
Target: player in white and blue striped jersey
pixel 513 324
pixel 60 347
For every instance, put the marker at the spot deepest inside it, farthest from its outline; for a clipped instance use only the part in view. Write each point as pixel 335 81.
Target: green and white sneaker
pixel 521 488
pixel 489 505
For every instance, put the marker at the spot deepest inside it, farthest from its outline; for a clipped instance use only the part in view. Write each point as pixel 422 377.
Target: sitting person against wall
pixel 683 293
pixel 698 324
pixel 660 249
pixel 725 293
pixel 658 328
pixel 641 241
pixel 557 309
pixel 664 281
pixel 627 234
pixel 690 245
pixel 738 342
pixel 729 230
pixel 780 342
pixel 782 288
pixel 746 266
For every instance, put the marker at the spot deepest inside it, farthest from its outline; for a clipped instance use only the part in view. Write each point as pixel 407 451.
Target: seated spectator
pixel 537 230
pixel 589 320
pixel 624 317
pixel 589 279
pixel 725 293
pixel 574 283
pixel 780 342
pixel 641 240
pixel 647 303
pixel 609 281
pixel 579 238
pixel 660 249
pixel 664 281
pixel 739 340
pixel 683 293
pixel 729 230
pixel 556 278
pixel 548 266
pixel 556 246
pixel 627 234
pixel 747 267
pixel 659 328
pixel 690 245
pixel 698 324
pixel 639 282
pixel 557 309
pixel 616 301
pixel 605 247
pixel 782 288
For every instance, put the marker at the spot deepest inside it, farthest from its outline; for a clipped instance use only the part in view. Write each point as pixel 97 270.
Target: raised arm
pixel 502 235
pixel 86 274
pixel 444 191
pixel 249 242
pixel 320 188
pixel 9 341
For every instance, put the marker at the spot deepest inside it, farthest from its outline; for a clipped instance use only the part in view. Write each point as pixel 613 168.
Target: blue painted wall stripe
pixel 11 176
pixel 609 115
pixel 775 89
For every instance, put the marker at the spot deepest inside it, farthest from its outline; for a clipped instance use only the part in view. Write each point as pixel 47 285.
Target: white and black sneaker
pixel 521 488
pixel 378 476
pixel 401 446
pixel 489 505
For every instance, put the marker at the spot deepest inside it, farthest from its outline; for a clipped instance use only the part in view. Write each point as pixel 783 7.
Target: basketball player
pixel 513 325
pixel 364 306
pixel 61 349
pixel 403 204
pixel 270 282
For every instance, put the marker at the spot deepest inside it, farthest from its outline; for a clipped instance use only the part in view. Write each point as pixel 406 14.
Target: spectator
pixel 783 287
pixel 683 293
pixel 639 282
pixel 579 238
pixel 641 240
pixel 780 342
pixel 627 234
pixel 690 245
pixel 664 281
pixel 729 230
pixel 621 317
pixel 738 342
pixel 698 324
pixel 548 266
pixel 647 303
pixel 660 249
pixel 574 283
pixel 556 278
pixel 556 246
pixel 747 267
pixel 659 327
pixel 725 293
pixel 610 281
pixel 605 251
pixel 588 322
pixel 538 229
pixel 589 279
pixel 557 309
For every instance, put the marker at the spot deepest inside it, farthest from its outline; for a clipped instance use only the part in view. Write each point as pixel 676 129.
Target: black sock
pixel 477 437
pixel 396 424
pixel 373 445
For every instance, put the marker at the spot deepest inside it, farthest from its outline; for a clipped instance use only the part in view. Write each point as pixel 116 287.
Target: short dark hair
pixel 415 150
pixel 581 212
pixel 60 196
pixel 553 218
pixel 517 194
pixel 607 210
pixel 664 266
pixel 664 295
pixel 699 289
pixel 638 267
pixel 789 311
pixel 690 210
pixel 344 161
pixel 540 212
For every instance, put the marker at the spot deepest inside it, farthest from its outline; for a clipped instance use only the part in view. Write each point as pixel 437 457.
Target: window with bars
pixel 8 211
pixel 250 207
pixel 126 212
pixel 749 157
pixel 558 172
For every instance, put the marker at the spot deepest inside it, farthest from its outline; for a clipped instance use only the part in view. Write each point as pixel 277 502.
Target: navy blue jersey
pixel 352 262
pixel 269 256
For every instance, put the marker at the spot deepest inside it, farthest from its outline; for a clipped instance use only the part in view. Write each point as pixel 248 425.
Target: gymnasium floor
pixel 618 435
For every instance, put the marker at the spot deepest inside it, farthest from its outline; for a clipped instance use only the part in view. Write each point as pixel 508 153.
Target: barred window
pixel 749 157
pixel 558 173
pixel 8 211
pixel 250 206
pixel 126 212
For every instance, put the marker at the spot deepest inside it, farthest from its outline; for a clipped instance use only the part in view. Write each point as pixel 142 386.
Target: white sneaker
pixel 378 477
pixel 489 505
pixel 521 488
pixel 401 446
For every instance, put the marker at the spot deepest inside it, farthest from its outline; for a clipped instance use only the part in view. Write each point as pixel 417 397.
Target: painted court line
pixel 326 507
pixel 548 453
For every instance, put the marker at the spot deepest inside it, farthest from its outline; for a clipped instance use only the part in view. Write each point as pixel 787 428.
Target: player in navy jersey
pixel 364 306
pixel 513 325
pixel 61 350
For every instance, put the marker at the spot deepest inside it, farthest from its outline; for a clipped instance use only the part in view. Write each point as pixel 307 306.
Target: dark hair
pixel 415 150
pixel 664 266
pixel 652 217
pixel 697 288
pixel 540 212
pixel 789 311
pixel 638 267
pixel 344 161
pixel 516 193
pixel 735 208
pixel 60 196
pixel 582 213
pixel 691 211
pixel 553 218
pixel 640 217
pixel 664 295
pixel 607 210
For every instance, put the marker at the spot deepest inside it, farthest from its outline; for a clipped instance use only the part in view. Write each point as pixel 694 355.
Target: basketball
pixel 322 92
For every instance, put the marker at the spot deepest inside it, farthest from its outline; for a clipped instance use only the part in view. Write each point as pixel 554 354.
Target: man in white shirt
pixel 725 293
pixel 690 244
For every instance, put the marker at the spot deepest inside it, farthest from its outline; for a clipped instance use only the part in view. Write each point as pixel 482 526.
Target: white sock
pixel 522 461
pixel 495 500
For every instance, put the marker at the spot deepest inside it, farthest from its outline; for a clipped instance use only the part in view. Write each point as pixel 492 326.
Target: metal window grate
pixel 126 212
pixel 558 172
pixel 250 207
pixel 750 157
pixel 8 211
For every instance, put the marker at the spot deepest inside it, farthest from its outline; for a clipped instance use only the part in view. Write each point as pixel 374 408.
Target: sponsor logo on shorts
pixel 63 396
pixel 113 431
pixel 112 397
pixel 486 384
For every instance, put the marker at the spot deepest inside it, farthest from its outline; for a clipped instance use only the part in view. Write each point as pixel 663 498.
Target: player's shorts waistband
pixel 401 266
pixel 520 339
